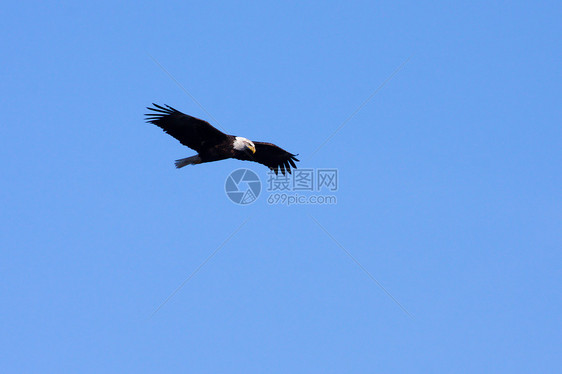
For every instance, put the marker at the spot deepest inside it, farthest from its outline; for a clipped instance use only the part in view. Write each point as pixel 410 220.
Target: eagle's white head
pixel 241 144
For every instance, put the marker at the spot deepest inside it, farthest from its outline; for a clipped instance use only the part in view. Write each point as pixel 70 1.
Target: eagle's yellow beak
pixel 252 148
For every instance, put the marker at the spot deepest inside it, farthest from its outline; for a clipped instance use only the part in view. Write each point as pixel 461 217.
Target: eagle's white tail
pixel 193 160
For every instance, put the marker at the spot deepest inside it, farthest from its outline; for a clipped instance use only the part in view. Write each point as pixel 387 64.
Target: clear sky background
pixel 450 188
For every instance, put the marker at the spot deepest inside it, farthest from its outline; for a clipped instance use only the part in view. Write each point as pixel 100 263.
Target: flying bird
pixel 214 145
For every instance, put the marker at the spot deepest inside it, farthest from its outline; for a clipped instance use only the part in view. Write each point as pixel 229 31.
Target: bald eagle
pixel 214 145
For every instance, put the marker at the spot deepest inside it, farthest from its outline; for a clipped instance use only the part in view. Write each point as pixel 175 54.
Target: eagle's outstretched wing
pixel 273 157
pixel 190 131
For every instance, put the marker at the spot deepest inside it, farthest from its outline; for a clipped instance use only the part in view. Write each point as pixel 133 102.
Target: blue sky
pixel 449 188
